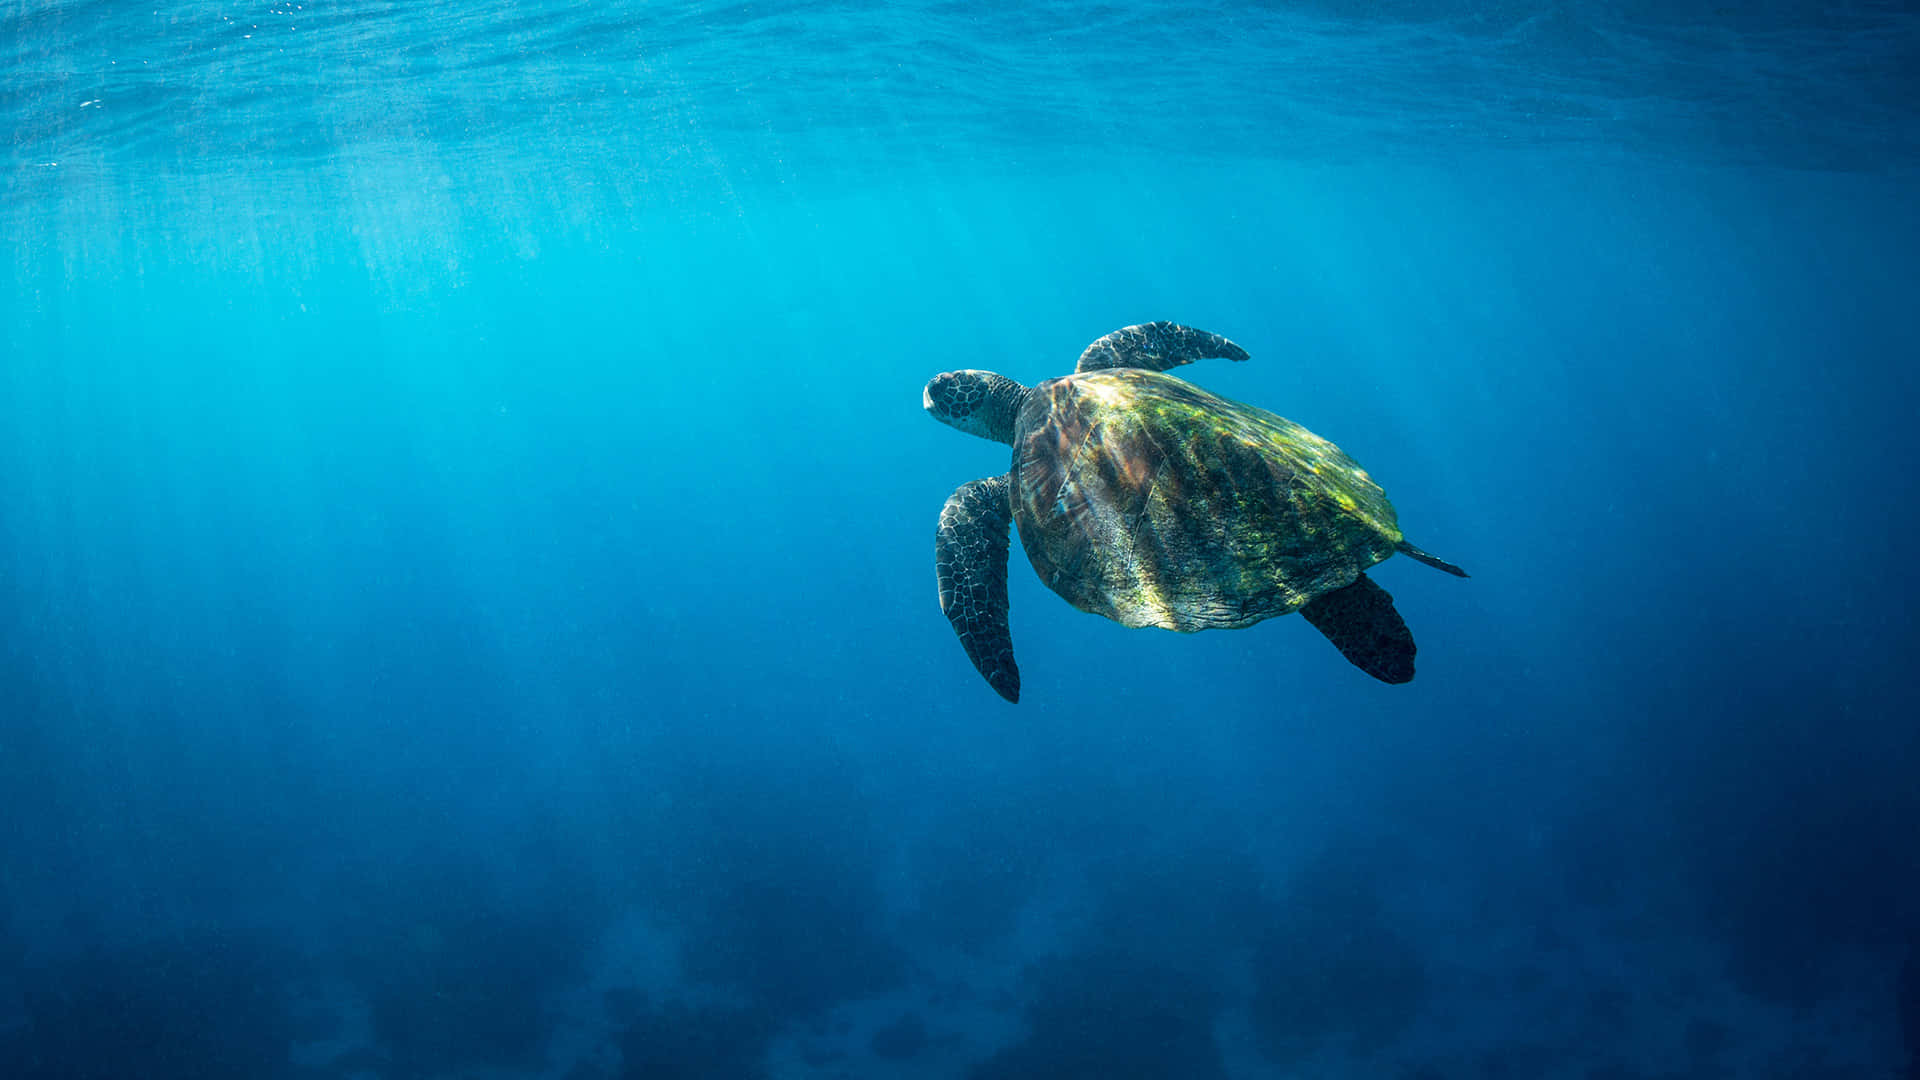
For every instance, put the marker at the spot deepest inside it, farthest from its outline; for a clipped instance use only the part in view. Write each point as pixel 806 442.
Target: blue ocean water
pixel 466 542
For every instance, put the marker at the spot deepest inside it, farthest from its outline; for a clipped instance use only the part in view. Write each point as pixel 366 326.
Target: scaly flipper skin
pixel 1361 622
pixel 1156 346
pixel 970 557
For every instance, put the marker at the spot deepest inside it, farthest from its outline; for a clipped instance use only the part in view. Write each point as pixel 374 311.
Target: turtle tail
pixel 1434 561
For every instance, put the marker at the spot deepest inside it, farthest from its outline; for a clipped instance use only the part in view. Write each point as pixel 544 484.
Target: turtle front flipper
pixel 1156 346
pixel 1361 622
pixel 970 557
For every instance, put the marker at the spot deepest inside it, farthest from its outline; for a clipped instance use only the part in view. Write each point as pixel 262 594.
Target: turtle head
pixel 977 402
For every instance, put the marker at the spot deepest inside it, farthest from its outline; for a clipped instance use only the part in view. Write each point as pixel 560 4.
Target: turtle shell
pixel 1144 498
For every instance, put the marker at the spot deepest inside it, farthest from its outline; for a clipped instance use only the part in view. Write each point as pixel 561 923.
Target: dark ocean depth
pixel 467 596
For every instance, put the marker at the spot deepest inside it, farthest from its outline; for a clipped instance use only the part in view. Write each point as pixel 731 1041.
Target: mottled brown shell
pixel 1144 498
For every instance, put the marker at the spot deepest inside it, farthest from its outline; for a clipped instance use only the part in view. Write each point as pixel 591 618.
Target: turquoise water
pixel 466 543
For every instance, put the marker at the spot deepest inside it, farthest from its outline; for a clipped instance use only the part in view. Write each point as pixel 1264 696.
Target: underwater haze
pixel 467 599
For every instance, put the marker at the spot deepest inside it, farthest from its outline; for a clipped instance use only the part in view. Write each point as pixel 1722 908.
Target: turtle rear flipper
pixel 970 558
pixel 1361 622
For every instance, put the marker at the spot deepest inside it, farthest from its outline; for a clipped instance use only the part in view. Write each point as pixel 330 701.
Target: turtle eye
pixel 945 395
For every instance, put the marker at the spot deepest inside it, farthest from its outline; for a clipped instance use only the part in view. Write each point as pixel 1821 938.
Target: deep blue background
pixel 466 598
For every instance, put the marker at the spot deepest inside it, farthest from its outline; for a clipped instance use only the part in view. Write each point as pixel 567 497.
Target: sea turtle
pixel 1144 498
